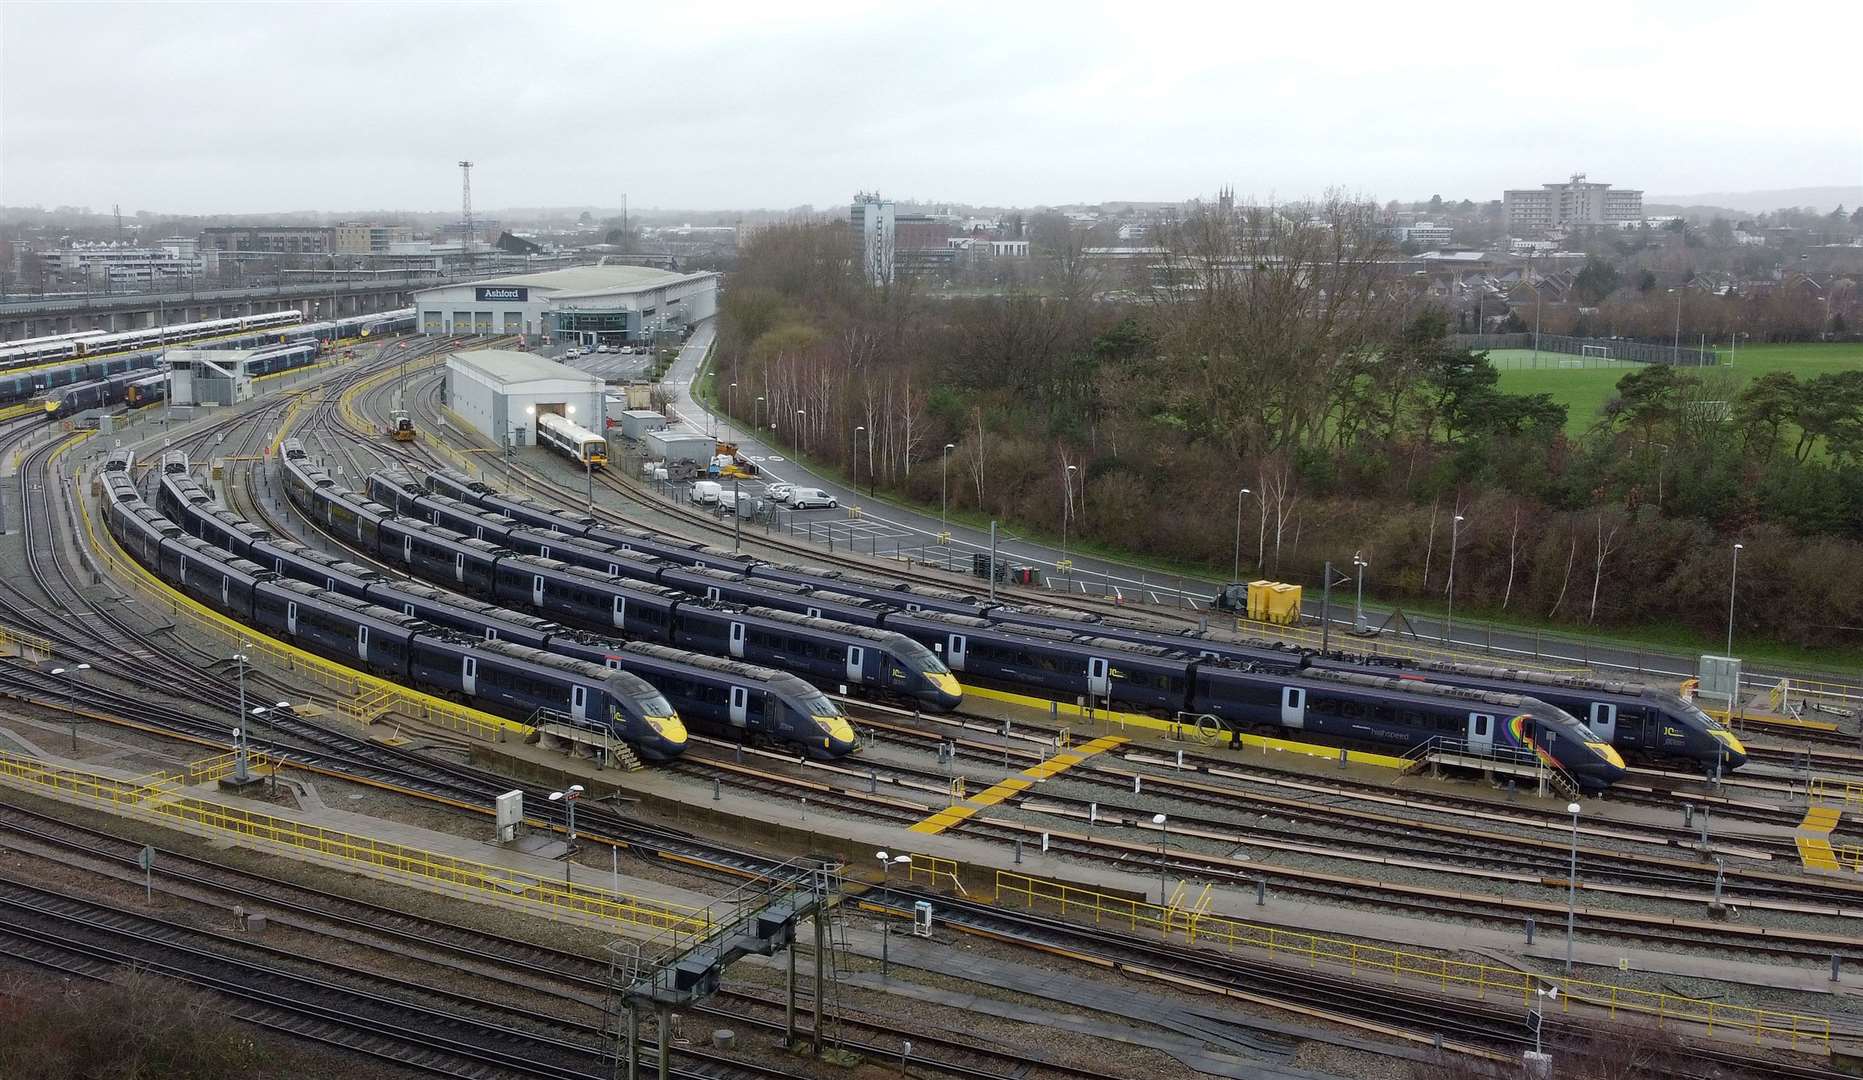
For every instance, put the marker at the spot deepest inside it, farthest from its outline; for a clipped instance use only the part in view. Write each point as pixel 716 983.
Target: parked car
pixel 811 499
pixel 779 492
pixel 706 493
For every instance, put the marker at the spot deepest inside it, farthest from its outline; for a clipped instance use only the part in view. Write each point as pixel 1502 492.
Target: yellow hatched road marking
pixel 1015 785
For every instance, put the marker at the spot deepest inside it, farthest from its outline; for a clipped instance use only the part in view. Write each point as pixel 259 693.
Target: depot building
pixel 594 305
pixel 500 393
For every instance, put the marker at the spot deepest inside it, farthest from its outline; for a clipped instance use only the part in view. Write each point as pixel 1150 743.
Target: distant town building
pixel 361 238
pixel 1577 203
pixel 270 239
pixel 873 224
pixel 1423 233
pixel 122 266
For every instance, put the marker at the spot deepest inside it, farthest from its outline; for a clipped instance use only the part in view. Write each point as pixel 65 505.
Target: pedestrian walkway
pixel 1814 838
pixel 1003 789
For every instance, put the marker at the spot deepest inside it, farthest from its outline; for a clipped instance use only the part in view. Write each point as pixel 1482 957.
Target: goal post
pixel 1603 352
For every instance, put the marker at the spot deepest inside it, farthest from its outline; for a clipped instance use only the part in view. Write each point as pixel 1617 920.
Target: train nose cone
pixel 947 684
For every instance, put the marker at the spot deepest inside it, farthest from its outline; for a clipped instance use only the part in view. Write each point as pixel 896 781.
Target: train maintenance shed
pixel 591 305
pixel 500 393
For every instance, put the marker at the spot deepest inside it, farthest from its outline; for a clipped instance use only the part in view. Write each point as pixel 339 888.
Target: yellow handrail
pixel 1313 949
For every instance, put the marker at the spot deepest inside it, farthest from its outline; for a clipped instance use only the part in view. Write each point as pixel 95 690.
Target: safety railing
pixel 345 683
pixel 20 642
pixel 1835 790
pixel 79 784
pixel 934 870
pixel 1212 930
pixel 162 801
pixel 218 768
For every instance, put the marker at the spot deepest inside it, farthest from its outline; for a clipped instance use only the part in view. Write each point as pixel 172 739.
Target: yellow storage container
pixel 1258 600
pixel 1283 603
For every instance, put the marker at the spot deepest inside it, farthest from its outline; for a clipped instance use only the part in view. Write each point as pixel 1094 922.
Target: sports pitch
pixel 1585 390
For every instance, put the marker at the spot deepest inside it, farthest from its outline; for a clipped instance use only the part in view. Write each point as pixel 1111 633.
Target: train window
pixel 1481 725
pixel 1383 714
pixel 1351 710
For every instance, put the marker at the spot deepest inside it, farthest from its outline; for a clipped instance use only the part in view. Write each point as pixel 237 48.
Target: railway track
pixel 568 976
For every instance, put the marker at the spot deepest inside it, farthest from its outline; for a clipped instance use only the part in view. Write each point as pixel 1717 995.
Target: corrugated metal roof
pixel 508 367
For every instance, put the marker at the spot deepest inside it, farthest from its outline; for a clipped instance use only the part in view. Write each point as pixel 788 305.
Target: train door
pixel 226 591
pixel 713 594
pixel 1604 721
pixel 1097 682
pixel 469 676
pixel 362 642
pixel 814 612
pixel 329 583
pixel 740 706
pixel 954 654
pixel 1481 732
pixel 291 617
pixel 737 640
pixel 579 703
pixel 1293 707
pixel 459 568
pixel 614 569
pixel 407 550
pixel 620 612
pixel 856 663
pixel 543 551
pixel 536 590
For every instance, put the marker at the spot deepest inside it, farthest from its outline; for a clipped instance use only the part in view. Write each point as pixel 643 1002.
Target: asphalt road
pixel 884 526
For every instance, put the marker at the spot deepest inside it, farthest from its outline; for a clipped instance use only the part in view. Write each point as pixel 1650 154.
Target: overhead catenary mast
pixel 465 212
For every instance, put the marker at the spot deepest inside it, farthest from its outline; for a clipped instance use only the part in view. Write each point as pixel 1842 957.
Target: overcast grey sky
pixel 281 106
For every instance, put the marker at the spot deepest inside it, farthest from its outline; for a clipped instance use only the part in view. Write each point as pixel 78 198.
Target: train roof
pixel 870 633
pixel 360 607
pixel 545 658
pixel 720 664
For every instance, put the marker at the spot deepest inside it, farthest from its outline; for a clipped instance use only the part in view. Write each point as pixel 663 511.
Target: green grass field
pixel 1585 390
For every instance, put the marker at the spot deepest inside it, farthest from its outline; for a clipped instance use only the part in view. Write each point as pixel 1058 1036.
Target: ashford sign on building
pixel 503 293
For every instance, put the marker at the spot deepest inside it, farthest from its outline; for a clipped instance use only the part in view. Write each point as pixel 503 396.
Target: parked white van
pixel 706 492
pixel 811 499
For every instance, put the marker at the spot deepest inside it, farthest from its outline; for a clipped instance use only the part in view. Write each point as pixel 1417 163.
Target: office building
pixel 1577 203
pixel 872 225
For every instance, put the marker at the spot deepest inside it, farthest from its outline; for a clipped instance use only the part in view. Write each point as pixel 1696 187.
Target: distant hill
pixel 1823 199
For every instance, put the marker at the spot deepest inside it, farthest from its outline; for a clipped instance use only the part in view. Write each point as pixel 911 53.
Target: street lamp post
pixel 759 411
pixel 1235 571
pixel 1571 887
pixel 1358 605
pixel 944 491
pixel 799 429
pixel 1067 514
pixel 71 699
pixel 887 862
pixel 568 797
pixel 1733 581
pixel 854 468
pixel 1164 833
pixel 272 747
pixel 1455 533
pixel 239 740
pixel 1675 351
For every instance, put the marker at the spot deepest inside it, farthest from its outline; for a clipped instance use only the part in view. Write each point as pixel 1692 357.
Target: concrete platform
pixel 758 820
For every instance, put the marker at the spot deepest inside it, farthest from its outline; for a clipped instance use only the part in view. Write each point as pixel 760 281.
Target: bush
pixel 141 1026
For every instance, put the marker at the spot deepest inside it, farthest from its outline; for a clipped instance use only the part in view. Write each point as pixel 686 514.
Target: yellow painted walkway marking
pixel 1813 838
pixel 1015 785
pixel 1820 819
pixel 1187 729
pixel 1816 853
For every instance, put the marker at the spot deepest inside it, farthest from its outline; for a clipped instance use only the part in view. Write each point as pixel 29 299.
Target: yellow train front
pixel 401 427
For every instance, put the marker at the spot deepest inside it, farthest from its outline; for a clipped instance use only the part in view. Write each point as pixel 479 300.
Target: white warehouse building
pixel 596 305
pixel 499 393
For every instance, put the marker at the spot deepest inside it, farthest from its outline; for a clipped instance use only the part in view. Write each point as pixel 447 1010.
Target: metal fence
pixel 1615 351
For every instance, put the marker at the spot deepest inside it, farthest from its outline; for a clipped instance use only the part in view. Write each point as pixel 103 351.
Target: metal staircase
pixel 1441 750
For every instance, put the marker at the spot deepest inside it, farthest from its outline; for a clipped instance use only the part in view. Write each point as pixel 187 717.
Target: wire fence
pixel 1561 350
